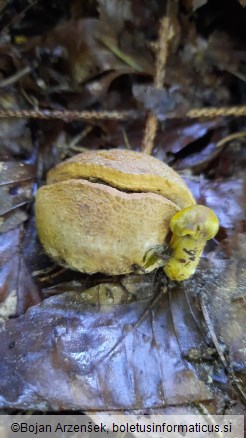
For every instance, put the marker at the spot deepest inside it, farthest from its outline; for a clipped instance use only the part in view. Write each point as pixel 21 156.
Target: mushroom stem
pixel 191 228
pixel 186 253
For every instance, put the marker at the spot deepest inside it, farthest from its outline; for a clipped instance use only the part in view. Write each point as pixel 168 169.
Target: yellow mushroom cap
pixel 197 221
pixel 103 211
pixel 125 170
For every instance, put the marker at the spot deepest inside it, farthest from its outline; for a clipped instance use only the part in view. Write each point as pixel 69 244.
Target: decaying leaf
pixel 16 284
pixel 84 349
pixel 92 49
pixel 223 303
pixel 198 4
pixel 72 341
pixel 231 211
pixel 12 220
pixel 13 172
pixel 17 289
pixel 115 11
pixel 15 136
pixel 163 103
pixel 16 185
pixel 229 295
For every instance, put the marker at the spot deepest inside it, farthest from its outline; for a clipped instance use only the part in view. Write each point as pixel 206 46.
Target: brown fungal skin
pixel 103 211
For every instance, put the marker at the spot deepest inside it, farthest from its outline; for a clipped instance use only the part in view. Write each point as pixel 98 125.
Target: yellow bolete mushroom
pixel 109 211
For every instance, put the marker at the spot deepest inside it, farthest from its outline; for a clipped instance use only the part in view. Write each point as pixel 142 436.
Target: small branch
pixel 69 116
pixel 230 137
pixel 149 133
pixel 162 52
pixel 17 19
pixel 160 71
pixel 210 113
pixel 14 78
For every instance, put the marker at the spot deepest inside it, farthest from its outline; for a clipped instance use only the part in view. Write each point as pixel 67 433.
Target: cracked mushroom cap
pixel 102 211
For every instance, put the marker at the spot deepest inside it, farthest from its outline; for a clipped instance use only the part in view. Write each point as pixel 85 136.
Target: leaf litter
pixel 168 346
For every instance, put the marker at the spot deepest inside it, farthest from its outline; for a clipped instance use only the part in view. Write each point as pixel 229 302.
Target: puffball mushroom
pixel 109 211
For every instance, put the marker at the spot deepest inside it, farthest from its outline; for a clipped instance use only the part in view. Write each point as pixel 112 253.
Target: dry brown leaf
pixel 198 4
pixel 15 280
pixel 91 49
pixel 116 12
pixel 15 136
pixel 16 185
pixel 161 349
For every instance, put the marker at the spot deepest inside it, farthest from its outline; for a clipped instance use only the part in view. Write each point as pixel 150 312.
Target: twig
pixel 160 71
pixel 210 113
pixel 14 78
pixel 69 116
pixel 230 137
pixel 149 133
pixel 162 52
pixel 212 333
pixel 17 19
pixel 204 411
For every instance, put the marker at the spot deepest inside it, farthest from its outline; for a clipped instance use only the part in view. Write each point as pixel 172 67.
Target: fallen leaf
pixel 91 49
pixel 116 12
pixel 84 349
pixel 223 306
pixel 16 283
pixel 226 304
pixel 15 135
pixel 16 187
